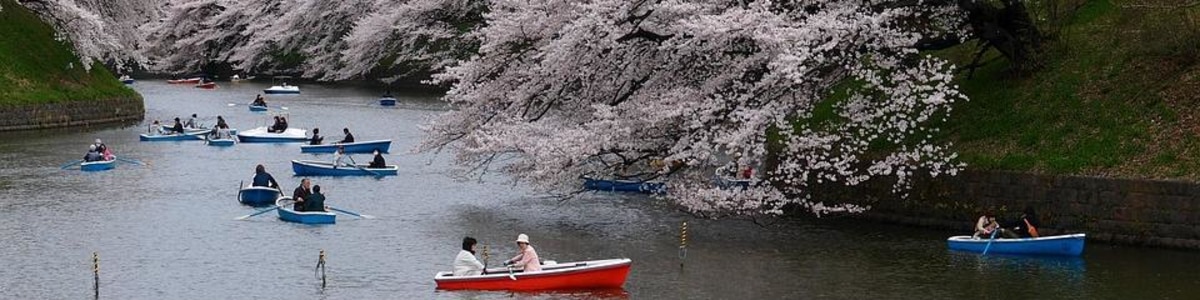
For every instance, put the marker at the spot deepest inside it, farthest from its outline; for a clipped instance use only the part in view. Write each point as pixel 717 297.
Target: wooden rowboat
pixel 98 165
pixel 258 195
pixel 357 147
pixel 619 185
pixel 595 274
pixel 1068 245
pixel 324 168
pixel 303 217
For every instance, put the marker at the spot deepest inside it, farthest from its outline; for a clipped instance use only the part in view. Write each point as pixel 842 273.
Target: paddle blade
pixel 77 161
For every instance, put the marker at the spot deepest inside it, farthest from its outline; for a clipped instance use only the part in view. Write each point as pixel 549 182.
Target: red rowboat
pixel 184 81
pixel 594 274
pixel 209 85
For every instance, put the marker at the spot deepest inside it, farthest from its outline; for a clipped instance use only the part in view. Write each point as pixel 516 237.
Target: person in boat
pixel 349 137
pixel 340 157
pixel 466 264
pixel 986 225
pixel 275 127
pixel 315 201
pixel 262 178
pixel 527 260
pixel 1027 226
pixel 155 128
pixel 92 154
pixel 103 149
pixel 378 162
pixel 283 124
pixel 259 101
pixel 221 123
pixel 178 127
pixel 191 122
pixel 301 193
pixel 316 138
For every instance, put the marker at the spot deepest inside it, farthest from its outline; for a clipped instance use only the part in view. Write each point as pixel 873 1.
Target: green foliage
pixel 36 68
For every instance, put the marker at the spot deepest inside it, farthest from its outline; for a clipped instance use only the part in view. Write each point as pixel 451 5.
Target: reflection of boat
pixel 621 185
pixel 100 165
pixel 322 168
pixel 303 217
pixel 1070 245
pixel 355 147
pixel 595 274
pixel 185 81
pixel 387 101
pixel 258 195
pixel 282 89
pixel 207 85
pixel 260 135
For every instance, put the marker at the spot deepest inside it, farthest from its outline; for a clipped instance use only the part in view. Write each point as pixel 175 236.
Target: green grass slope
pixel 36 68
pixel 1118 96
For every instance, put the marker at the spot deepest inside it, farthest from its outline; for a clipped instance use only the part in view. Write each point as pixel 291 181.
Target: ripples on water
pixel 166 231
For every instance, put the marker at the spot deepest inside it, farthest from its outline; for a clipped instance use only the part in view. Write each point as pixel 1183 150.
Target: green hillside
pixel 35 68
pixel 1117 96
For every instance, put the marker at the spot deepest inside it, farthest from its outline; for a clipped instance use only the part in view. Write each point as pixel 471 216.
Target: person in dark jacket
pixel 315 201
pixel 259 101
pixel 316 138
pixel 283 124
pixel 301 194
pixel 178 127
pixel 262 178
pixel 221 123
pixel 92 154
pixel 349 137
pixel 275 127
pixel 378 162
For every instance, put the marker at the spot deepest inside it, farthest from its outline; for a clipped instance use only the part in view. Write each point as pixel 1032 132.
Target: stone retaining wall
pixel 1125 211
pixel 70 113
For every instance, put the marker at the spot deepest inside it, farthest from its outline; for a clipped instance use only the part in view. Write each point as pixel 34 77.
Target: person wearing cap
pixel 92 154
pixel 378 162
pixel 527 260
pixel 316 138
pixel 262 178
pixel 465 264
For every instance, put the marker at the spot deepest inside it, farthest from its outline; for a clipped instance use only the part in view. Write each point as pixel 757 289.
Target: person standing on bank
pixel 527 260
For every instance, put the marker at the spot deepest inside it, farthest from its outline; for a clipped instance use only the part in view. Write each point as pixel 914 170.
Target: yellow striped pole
pixel 682 243
pixel 96 273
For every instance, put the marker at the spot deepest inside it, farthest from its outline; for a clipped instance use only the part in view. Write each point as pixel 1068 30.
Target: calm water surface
pixel 166 230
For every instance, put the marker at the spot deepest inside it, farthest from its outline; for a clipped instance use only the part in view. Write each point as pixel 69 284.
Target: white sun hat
pixel 522 238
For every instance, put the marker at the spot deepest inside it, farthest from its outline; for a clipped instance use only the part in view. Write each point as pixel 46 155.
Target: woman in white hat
pixel 528 259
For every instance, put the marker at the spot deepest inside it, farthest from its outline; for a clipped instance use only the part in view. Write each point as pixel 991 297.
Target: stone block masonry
pixel 70 113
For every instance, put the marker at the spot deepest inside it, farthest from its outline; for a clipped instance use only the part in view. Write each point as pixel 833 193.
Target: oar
pixel 72 163
pixel 352 213
pixel 132 161
pixel 510 273
pixel 377 175
pixel 989 244
pixel 257 213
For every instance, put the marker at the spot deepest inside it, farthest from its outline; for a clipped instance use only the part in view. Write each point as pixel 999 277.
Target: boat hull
pixel 1065 245
pixel 359 147
pixel 303 217
pixel 624 186
pixel 127 81
pixel 387 101
pixel 257 108
pixel 282 90
pixel 600 274
pixel 99 165
pixel 260 135
pixel 184 81
pixel 321 168
pixel 221 142
pixel 170 137
pixel 258 195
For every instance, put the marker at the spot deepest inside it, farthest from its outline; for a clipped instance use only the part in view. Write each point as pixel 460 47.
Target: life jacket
pixel 1032 230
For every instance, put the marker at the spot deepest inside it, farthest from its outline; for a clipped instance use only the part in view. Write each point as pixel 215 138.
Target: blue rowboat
pixel 1068 245
pixel 98 165
pixel 260 135
pixel 616 185
pixel 324 168
pixel 257 108
pixel 170 137
pixel 221 142
pixel 303 217
pixel 127 81
pixel 387 101
pixel 258 195
pixel 277 89
pixel 197 131
pixel 356 147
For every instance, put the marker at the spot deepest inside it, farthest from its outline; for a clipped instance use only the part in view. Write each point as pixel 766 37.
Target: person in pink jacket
pixel 528 258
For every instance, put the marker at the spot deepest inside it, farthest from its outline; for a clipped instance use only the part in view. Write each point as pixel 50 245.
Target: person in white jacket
pixel 466 264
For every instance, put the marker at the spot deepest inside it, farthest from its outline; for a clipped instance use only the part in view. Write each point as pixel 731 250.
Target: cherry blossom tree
pixel 832 91
pixel 99 30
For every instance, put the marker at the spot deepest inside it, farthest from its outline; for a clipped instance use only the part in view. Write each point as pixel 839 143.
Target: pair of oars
pixel 77 161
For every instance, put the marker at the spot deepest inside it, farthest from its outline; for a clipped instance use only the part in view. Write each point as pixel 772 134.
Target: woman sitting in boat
pixel 316 138
pixel 103 150
pixel 92 154
pixel 276 127
pixel 527 260
pixel 349 137
pixel 986 225
pixel 340 157
pixel 466 264
pixel 378 162
pixel 315 201
pixel 262 178
pixel 155 128
pixel 259 101
pixel 191 122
